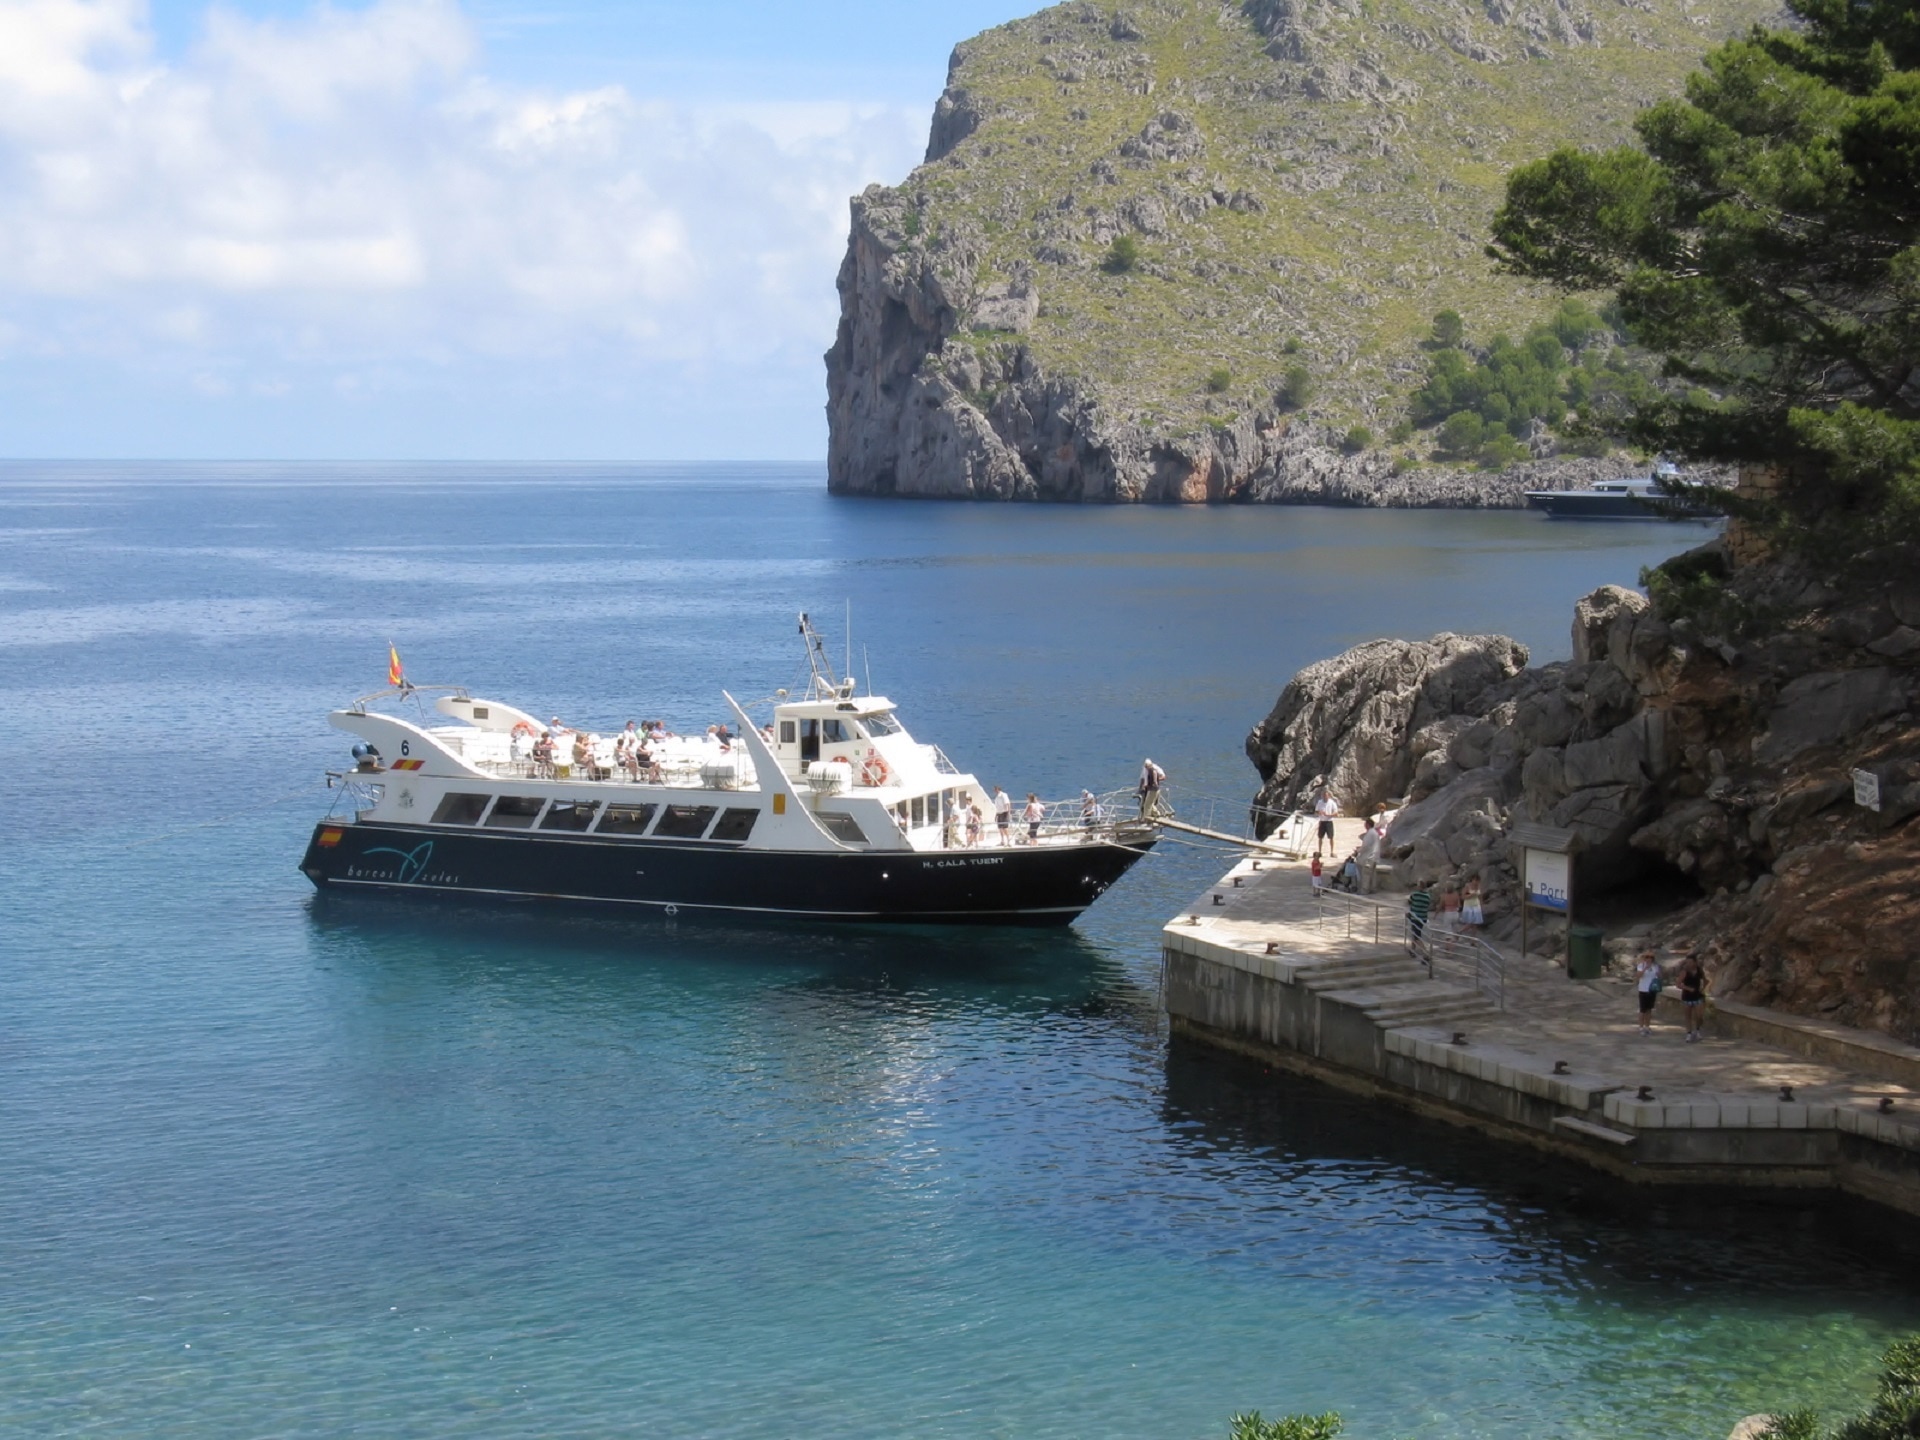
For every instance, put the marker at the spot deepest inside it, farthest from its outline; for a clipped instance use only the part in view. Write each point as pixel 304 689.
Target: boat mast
pixel 825 682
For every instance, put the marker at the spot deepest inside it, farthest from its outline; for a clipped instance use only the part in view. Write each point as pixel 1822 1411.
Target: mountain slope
pixel 1304 184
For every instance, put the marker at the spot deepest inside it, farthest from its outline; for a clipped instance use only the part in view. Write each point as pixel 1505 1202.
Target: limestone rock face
pixel 1665 749
pixel 1301 185
pixel 1351 720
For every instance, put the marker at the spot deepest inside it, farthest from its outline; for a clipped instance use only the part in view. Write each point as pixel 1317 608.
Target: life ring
pixel 873 770
pixel 838 760
pixel 521 727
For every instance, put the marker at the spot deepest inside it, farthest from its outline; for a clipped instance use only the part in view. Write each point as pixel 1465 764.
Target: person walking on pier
pixel 1693 995
pixel 1369 858
pixel 1319 877
pixel 1325 807
pixel 1648 981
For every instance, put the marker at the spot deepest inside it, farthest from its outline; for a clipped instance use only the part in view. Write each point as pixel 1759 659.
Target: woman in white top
pixel 1646 984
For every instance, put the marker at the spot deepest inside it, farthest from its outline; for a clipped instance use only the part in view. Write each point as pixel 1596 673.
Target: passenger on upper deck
pixel 582 755
pixel 543 756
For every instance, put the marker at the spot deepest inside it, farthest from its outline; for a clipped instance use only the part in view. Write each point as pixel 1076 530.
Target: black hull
pixel 1586 505
pixel 1020 885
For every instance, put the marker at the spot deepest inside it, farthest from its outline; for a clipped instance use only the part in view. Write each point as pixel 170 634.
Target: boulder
pixel 1825 707
pixel 1352 720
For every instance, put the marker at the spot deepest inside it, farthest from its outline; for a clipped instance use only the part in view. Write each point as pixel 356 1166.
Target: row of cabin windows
pixel 812 735
pixel 524 812
pixel 927 809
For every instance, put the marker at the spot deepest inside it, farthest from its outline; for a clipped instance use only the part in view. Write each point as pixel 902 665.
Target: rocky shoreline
pixel 1689 756
pixel 915 412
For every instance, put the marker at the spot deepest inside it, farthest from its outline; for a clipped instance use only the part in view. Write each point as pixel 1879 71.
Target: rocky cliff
pixel 1178 250
pixel 1709 741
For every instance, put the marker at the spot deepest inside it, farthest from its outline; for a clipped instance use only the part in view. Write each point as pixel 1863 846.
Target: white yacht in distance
pixel 832 811
pixel 1632 497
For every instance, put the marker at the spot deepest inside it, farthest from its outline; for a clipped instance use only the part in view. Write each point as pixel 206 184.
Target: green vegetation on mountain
pixel 1764 236
pixel 1284 192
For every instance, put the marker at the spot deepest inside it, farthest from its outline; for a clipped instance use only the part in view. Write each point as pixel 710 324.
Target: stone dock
pixel 1328 988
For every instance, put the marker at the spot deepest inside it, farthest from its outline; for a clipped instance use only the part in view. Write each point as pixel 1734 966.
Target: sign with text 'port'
pixel 1547 878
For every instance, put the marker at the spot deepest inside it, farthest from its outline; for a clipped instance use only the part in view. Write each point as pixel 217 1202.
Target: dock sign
pixel 1546 880
pixel 1866 789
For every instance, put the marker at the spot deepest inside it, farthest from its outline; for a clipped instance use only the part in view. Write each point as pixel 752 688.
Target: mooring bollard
pixel 1273 947
pixel 1786 1092
pixel 1886 1104
pixel 1646 1092
pixel 1459 1037
pixel 1218 898
pixel 1560 1068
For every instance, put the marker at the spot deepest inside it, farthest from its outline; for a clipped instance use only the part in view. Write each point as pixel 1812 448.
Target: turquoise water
pixel 279 1165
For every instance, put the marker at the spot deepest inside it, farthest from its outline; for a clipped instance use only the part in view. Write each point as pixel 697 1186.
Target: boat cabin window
pixel 514 812
pixel 625 819
pixel 786 732
pixel 456 809
pixel 843 828
pixel 881 723
pixel 815 733
pixel 480 712
pixel 735 824
pixel 569 815
pixel 918 808
pixel 686 822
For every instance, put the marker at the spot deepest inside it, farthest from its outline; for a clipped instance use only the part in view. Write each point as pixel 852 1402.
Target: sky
pixel 422 229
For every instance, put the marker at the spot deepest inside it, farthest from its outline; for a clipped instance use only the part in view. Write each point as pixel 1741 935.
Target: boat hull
pixel 1587 505
pixel 1015 885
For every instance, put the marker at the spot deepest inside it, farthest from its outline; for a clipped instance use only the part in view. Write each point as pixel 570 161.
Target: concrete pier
pixel 1328 988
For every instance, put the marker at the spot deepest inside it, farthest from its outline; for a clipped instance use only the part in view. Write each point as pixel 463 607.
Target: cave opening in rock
pixel 1650 891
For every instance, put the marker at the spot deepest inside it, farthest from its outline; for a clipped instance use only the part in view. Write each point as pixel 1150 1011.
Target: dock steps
pixel 1592 1131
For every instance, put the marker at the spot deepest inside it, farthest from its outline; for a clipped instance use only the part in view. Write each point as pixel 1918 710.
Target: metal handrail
pixel 1434 946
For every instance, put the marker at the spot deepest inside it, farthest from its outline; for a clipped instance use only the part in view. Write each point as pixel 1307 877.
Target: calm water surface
pixel 279 1165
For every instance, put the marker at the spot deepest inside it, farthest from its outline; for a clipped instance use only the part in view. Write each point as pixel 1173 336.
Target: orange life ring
pixel 873 770
pixel 838 760
pixel 521 727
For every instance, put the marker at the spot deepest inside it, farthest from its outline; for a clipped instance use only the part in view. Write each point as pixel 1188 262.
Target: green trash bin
pixel 1584 958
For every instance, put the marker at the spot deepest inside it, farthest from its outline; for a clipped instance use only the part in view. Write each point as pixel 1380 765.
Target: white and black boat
pixel 1632 497
pixel 832 811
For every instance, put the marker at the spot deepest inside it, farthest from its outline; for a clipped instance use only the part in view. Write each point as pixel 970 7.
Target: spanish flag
pixel 395 675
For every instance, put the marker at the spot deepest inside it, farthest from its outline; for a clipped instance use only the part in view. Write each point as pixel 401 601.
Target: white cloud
pixel 347 194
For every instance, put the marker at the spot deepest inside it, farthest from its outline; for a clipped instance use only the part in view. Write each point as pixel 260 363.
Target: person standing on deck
pixel 1035 813
pixel 1003 814
pixel 1089 810
pixel 1152 777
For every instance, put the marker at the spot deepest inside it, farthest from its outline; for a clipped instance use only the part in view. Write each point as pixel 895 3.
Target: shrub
pixel 1251 1426
pixel 1401 432
pixel 1358 438
pixel 1292 346
pixel 1449 329
pixel 1460 436
pixel 1219 380
pixel 1296 389
pixel 1123 256
pixel 1499 450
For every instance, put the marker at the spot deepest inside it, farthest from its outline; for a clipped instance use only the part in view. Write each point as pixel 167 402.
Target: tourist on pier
pixel 1472 913
pixel 1152 777
pixel 1036 812
pixel 1448 918
pixel 1419 906
pixel 1003 814
pixel 1325 807
pixel 1648 981
pixel 1693 994
pixel 1319 879
pixel 1369 857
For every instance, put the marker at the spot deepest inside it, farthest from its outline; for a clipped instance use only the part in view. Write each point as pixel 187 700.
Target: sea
pixel 277 1163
